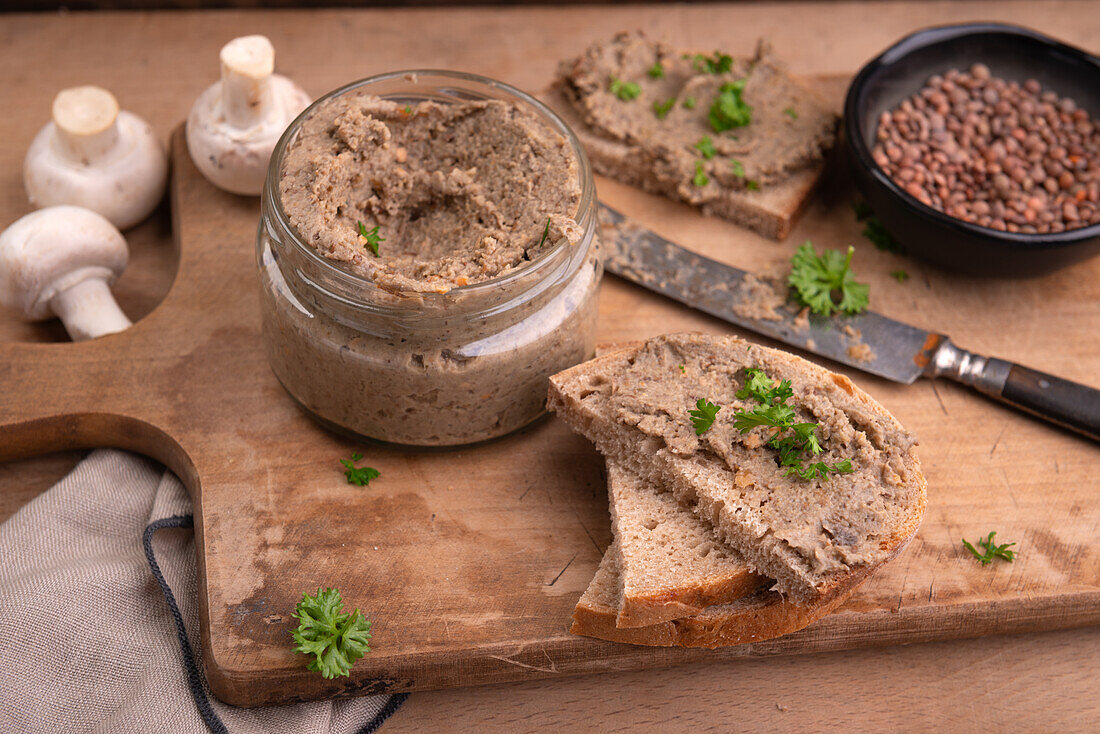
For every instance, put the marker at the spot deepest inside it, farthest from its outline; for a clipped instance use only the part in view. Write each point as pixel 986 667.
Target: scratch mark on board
pixel 1008 486
pixel 529 488
pixel 938 398
pixel 585 529
pixel 552 669
pixel 563 570
pixel 997 442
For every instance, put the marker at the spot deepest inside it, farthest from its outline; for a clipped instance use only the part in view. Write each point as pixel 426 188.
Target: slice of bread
pixel 814 537
pixel 671 564
pixel 759 616
pixel 771 210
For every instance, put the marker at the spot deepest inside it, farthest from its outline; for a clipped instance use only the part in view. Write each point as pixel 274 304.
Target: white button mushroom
pixel 95 156
pixel 235 123
pixel 61 261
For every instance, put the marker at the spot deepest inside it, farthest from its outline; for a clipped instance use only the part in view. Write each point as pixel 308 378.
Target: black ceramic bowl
pixel 1011 53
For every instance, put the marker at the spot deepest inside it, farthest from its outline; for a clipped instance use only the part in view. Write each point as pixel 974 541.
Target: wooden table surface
pixel 156 63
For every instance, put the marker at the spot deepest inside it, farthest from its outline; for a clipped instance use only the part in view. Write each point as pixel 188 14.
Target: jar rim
pixel 585 210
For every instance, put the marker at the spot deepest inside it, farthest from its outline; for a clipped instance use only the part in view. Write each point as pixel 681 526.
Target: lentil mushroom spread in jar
pixel 429 257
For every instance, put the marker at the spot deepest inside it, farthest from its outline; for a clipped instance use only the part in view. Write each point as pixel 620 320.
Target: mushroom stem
pixel 88 310
pixel 247 64
pixel 85 118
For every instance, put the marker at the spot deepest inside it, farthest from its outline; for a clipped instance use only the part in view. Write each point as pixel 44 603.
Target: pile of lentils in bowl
pixel 995 153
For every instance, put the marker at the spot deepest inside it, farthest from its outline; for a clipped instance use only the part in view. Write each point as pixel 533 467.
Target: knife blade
pixel 867 341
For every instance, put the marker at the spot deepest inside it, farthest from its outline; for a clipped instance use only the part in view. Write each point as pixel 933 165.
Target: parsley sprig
pixel 371 237
pixel 656 71
pixel 991 550
pixel 720 63
pixel 334 637
pixel 702 418
pixel 700 178
pixel 729 110
pixel 661 109
pixel 874 231
pixel 815 278
pixel 706 148
pixel 625 91
pixel 545 232
pixel 792 440
pixel 361 475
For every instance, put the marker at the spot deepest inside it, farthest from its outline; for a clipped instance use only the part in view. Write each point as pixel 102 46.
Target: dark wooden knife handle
pixel 1051 398
pixel 1067 403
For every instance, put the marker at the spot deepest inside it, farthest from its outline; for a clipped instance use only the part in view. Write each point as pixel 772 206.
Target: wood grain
pixel 986 465
pixel 1032 683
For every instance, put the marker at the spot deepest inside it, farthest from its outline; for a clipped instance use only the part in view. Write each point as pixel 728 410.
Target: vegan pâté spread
pixel 434 205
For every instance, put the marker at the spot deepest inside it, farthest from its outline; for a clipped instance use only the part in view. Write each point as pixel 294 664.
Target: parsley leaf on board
pixel 738 168
pixel 874 231
pixel 703 416
pixel 729 110
pixel 334 637
pixel 790 112
pixel 689 103
pixel 656 71
pixel 700 178
pixel 991 550
pixel 706 148
pixel 661 109
pixel 359 476
pixel 371 238
pixel 899 275
pixel 814 278
pixel 720 63
pixel 752 185
pixel 625 91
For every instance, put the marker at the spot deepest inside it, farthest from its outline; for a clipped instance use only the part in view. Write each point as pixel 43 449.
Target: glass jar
pixel 426 369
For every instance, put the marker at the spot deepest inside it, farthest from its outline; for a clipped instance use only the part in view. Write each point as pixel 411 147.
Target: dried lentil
pixel 997 153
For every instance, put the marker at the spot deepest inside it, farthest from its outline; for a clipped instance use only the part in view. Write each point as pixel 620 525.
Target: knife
pixel 866 341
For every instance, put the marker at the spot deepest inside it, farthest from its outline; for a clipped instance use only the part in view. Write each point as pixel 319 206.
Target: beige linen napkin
pixel 87 639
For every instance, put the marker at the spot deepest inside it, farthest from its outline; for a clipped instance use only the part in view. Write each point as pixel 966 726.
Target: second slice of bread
pixel 761 615
pixel 671 563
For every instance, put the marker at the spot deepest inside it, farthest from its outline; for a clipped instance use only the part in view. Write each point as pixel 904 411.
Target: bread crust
pixel 761 616
pixel 641 610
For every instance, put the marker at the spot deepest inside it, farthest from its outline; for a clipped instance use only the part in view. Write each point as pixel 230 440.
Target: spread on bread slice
pixel 739 138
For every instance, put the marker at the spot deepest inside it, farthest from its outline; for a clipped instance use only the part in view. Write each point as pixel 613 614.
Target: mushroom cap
pixel 52 249
pixel 234 159
pixel 124 184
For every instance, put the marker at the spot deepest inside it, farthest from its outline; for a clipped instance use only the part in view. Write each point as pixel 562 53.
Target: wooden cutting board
pixel 469 562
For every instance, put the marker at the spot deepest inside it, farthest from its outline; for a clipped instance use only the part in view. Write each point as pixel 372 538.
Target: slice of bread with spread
pixel 645 114
pixel 671 564
pixel 814 536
